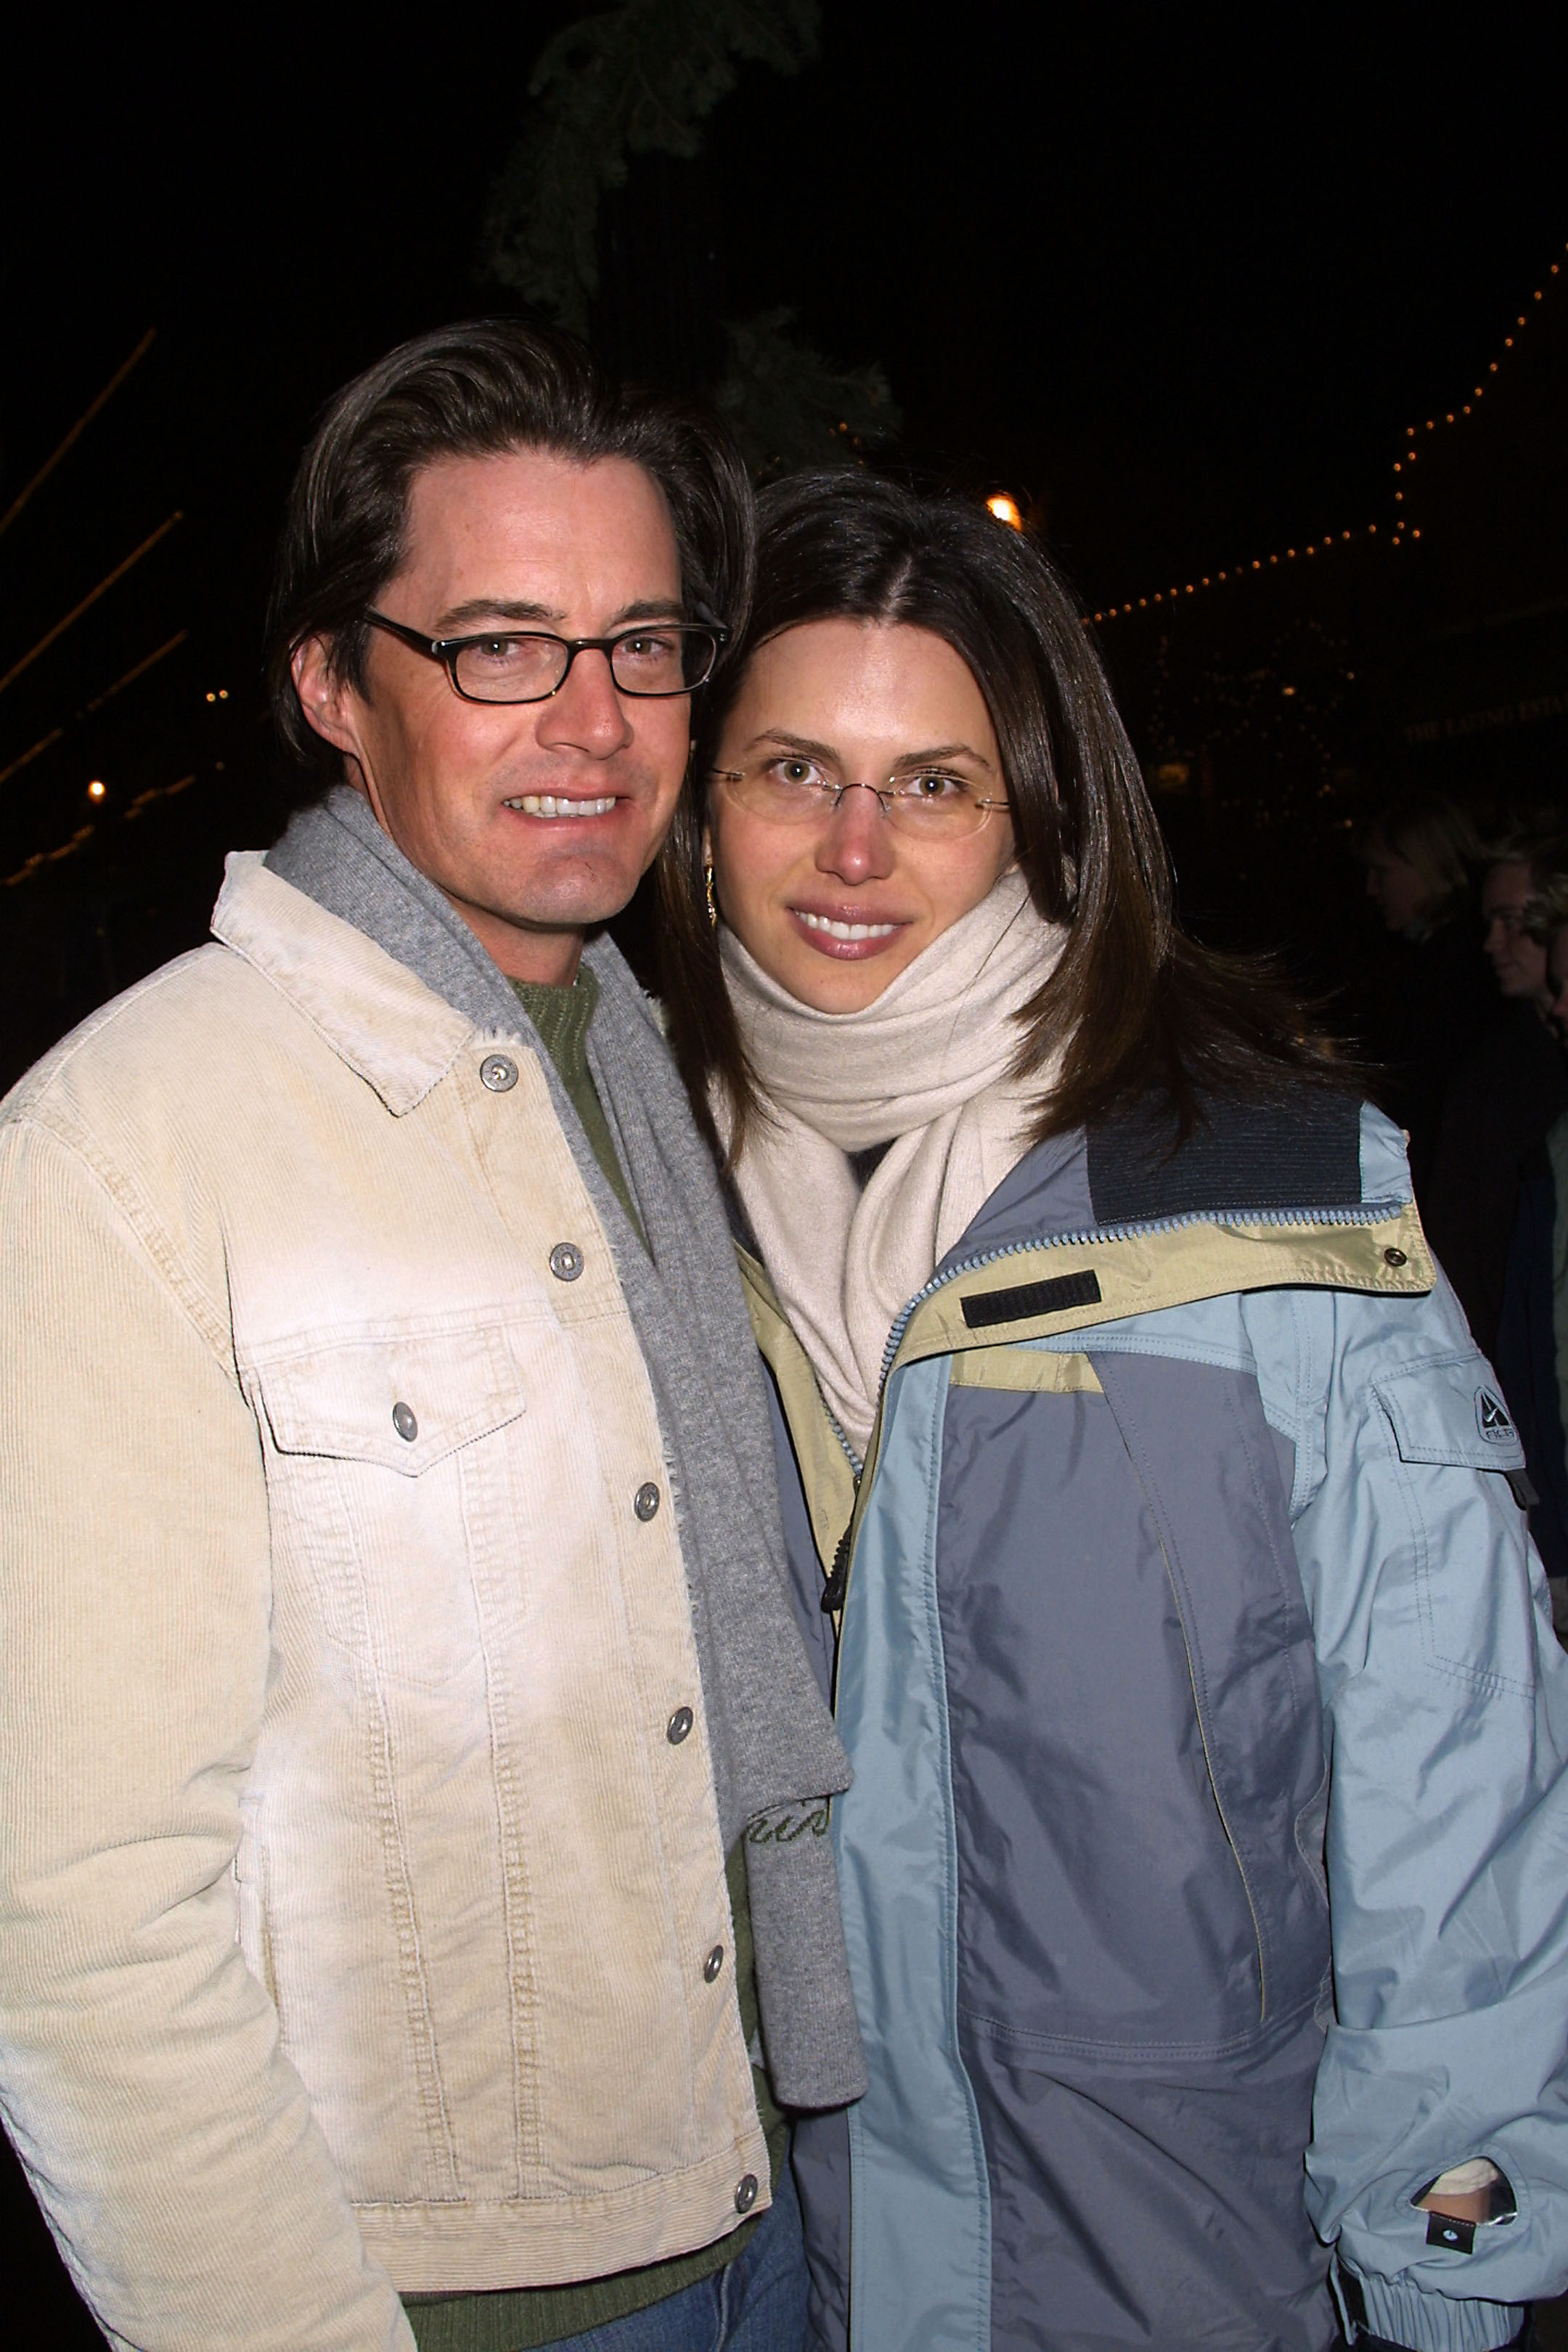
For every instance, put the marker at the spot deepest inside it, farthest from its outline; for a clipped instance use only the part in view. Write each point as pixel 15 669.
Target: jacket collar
pixel 390 1029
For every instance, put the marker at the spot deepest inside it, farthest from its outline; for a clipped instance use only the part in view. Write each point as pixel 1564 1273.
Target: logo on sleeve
pixel 1492 1418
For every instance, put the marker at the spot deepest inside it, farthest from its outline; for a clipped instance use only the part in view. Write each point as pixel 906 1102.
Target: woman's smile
pixel 847 934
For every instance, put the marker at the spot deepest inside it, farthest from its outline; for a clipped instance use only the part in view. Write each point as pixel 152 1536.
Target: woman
pixel 1130 1427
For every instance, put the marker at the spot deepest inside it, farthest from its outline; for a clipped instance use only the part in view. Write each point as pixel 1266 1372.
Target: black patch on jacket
pixel 1299 1153
pixel 1053 1297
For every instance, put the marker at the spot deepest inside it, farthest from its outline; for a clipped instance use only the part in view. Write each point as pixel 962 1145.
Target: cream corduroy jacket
pixel 356 1905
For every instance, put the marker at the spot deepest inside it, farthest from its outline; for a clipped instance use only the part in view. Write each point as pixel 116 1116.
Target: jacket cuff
pixel 1433 2323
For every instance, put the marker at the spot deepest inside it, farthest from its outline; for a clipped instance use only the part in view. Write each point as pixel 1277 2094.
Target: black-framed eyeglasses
pixel 652 660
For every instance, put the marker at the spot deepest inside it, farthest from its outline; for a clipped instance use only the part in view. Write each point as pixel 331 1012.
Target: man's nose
pixel 585 713
pixel 857 842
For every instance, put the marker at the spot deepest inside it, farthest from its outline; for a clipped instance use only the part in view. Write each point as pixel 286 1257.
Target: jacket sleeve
pixel 169 2142
pixel 1445 1700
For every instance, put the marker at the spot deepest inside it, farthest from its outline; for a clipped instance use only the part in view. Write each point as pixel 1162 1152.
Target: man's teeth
pixel 548 804
pixel 847 931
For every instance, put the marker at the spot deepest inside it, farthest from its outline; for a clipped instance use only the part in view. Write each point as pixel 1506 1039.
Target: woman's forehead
pixel 862 681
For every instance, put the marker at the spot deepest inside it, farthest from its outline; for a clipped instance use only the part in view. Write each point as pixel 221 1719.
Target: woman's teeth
pixel 845 930
pixel 547 805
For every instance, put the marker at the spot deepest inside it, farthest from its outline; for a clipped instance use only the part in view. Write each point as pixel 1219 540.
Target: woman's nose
pixel 857 842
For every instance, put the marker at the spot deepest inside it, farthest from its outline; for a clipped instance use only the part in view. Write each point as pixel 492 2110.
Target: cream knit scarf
pixel 926 1070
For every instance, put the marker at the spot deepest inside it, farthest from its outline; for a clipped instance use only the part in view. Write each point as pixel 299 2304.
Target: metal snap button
pixel 404 1423
pixel 746 2193
pixel 644 1501
pixel 679 1724
pixel 566 1261
pixel 499 1071
pixel 1394 1257
pixel 713 1963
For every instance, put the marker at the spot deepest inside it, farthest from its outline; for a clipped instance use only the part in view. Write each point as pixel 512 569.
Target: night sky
pixel 1178 279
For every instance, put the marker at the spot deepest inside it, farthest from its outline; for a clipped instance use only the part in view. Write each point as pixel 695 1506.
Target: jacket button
pixel 404 1423
pixel 713 1963
pixel 499 1071
pixel 644 1501
pixel 746 2193
pixel 566 1261
pixel 679 1724
pixel 1394 1257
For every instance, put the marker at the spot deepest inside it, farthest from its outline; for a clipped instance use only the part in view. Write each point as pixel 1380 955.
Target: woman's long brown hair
pixel 1143 1015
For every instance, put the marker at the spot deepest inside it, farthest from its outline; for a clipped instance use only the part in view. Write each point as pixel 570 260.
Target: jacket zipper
pixel 1367 1212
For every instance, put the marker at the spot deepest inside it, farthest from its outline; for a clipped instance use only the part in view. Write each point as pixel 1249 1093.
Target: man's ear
pixel 328 701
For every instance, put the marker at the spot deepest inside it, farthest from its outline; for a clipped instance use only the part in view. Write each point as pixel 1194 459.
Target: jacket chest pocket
pixel 1449 1422
pixel 388 1472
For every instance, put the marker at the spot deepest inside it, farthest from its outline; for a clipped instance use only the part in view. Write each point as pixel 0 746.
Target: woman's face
pixel 835 908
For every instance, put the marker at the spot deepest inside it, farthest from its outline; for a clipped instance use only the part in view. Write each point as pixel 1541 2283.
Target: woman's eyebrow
pixel 944 751
pixel 807 745
pixel 810 747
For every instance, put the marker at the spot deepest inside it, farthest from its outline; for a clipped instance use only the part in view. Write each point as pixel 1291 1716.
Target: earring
pixel 707 886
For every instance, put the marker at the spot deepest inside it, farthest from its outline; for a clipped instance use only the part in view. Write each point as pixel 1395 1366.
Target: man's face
pixel 526 539
pixel 1519 961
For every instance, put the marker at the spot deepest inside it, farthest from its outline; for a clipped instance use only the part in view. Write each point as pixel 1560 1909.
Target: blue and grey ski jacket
pixel 1205 1869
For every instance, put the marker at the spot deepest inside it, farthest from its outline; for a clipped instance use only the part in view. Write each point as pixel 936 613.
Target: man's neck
pixel 549 958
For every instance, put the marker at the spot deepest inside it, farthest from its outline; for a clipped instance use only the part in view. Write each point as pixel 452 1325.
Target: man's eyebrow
pixel 810 749
pixel 458 617
pixel 476 610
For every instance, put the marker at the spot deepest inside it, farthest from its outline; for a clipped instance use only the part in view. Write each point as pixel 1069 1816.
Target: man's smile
pixel 559 805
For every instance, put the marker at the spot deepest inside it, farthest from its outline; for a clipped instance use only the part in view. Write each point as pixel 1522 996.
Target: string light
pixel 1408 457
pixel 98 790
pixel 42 857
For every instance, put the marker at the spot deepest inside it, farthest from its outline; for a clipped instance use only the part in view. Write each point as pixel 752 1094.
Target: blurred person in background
pixel 1436 995
pixel 1504 1093
pixel 1533 1331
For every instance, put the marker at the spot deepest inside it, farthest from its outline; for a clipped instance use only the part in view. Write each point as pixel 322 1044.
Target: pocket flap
pixel 402 1401
pixel 1450 1409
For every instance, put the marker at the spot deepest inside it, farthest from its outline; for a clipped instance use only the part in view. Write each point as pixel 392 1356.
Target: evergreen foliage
pixel 641 79
pixel 789 407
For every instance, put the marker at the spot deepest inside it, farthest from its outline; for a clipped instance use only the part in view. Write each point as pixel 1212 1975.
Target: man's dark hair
pixel 1135 1010
pixel 476 391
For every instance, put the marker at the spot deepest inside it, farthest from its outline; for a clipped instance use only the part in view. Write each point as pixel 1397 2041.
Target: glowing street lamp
pixel 1006 509
pixel 98 790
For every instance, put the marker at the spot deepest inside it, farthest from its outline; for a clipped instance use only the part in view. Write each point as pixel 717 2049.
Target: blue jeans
pixel 756 2303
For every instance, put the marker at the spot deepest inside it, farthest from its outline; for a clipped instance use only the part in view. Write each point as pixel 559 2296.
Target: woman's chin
pixel 840 983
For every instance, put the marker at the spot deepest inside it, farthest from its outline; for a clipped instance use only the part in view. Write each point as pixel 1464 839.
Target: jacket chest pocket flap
pixel 1449 1411
pixel 402 1401
pixel 1448 1415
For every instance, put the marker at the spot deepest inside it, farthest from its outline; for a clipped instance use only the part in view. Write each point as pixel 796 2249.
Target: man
pixel 393 1646
pixel 1503 1095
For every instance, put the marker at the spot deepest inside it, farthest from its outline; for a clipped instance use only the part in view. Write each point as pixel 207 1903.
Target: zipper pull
pixel 833 1591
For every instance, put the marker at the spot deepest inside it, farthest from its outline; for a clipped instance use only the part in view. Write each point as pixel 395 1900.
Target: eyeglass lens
pixel 526 669
pixel 932 804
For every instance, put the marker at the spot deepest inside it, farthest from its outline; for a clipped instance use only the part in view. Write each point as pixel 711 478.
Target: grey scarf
pixel 776 1757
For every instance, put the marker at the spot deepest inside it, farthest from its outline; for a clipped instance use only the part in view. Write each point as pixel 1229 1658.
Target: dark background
pixel 1180 281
